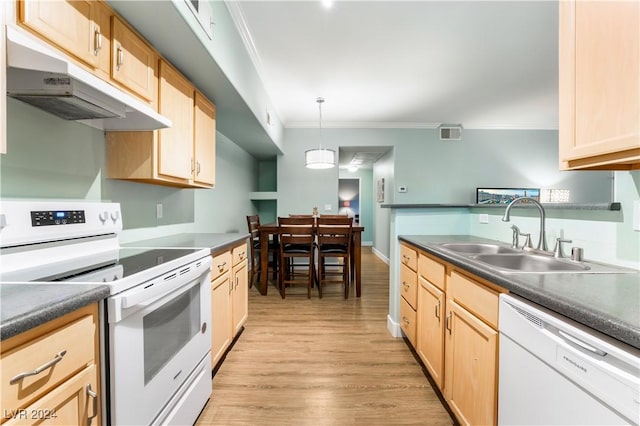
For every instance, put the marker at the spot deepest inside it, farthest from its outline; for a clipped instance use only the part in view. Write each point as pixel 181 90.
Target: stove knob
pixel 103 217
pixel 115 216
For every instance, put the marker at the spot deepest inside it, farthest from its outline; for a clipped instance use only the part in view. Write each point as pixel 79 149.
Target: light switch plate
pixel 636 215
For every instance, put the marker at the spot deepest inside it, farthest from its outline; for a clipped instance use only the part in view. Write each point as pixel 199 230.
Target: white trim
pixel 381 256
pixel 361 125
pixel 394 327
pixel 237 15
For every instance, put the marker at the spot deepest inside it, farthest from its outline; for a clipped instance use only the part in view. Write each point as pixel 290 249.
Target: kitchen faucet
pixel 542 241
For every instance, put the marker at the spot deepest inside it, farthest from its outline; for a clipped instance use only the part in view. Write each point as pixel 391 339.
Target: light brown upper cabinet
pixel 82 34
pixel 175 153
pixel 599 85
pixel 182 155
pixel 133 61
pixel 204 144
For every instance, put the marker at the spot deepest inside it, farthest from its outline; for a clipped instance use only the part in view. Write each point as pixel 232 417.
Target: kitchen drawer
pixel 76 338
pixel 409 286
pixel 408 320
pixel 221 264
pixel 476 298
pixel 431 270
pixel 409 257
pixel 239 254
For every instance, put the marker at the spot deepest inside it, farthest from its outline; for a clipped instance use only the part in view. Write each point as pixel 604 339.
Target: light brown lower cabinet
pixel 50 374
pixel 229 299
pixel 457 338
pixel 470 377
pixel 430 341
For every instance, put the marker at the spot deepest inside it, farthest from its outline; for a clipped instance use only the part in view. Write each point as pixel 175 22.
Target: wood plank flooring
pixel 324 361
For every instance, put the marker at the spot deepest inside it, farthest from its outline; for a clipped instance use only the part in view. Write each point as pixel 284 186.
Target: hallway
pixel 323 361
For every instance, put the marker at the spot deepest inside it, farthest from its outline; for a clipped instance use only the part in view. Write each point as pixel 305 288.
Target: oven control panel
pixel 57 217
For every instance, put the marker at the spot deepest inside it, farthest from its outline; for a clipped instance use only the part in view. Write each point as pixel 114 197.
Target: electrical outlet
pixel 159 211
pixel 484 218
pixel 327 207
pixel 402 189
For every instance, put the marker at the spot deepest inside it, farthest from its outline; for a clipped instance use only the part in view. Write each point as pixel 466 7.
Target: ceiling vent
pixel 450 133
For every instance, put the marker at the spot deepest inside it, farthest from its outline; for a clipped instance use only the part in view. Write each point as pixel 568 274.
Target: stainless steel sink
pixel 531 263
pixel 479 248
pixel 502 258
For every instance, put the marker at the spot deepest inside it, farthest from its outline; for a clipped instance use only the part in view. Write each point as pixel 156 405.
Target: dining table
pixel 271 229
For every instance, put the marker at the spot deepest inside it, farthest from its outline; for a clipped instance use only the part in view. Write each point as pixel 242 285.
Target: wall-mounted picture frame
pixel 504 195
pixel 380 192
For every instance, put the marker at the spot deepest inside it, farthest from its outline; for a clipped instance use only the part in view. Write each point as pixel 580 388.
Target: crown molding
pixel 361 125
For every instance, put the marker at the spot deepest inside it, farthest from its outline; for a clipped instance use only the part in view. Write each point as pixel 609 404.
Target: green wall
pixel 55 159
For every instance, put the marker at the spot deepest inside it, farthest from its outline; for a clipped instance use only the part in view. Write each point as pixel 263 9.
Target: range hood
pixel 42 77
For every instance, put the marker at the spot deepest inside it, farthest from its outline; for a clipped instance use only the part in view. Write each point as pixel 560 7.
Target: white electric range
pixel 156 331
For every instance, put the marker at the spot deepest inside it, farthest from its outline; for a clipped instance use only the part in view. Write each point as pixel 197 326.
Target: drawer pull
pixel 94 397
pixel 406 321
pixel 222 266
pixel 405 258
pixel 40 369
pixel 241 255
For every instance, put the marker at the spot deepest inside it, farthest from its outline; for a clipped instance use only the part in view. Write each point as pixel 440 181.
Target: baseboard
pixel 394 327
pixel 381 256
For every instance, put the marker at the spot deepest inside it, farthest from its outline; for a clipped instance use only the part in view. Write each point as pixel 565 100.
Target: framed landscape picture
pixel 504 195
pixel 380 192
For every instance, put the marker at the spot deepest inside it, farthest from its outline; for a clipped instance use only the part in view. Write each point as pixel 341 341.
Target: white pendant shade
pixel 320 158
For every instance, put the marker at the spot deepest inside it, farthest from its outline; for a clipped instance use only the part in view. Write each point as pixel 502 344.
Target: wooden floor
pixel 324 361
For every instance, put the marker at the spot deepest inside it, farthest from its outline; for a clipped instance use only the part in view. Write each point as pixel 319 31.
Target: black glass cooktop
pixel 130 261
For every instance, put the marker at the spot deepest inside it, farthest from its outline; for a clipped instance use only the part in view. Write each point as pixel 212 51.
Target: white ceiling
pixel 406 64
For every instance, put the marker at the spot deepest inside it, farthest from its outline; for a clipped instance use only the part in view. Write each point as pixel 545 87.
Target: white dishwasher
pixel 554 371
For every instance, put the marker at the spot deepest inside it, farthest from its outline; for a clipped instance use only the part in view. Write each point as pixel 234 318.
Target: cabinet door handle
pixel 94 396
pixel 448 322
pixel 438 310
pixel 197 167
pixel 119 58
pixel 40 369
pixel 97 41
pixel 230 286
pixel 237 280
pixel 405 285
pixel 406 321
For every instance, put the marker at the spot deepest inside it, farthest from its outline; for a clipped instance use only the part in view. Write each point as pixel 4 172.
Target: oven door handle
pixel 151 292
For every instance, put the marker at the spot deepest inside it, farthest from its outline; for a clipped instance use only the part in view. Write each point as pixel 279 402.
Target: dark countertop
pixel 606 302
pixel 216 242
pixel 26 305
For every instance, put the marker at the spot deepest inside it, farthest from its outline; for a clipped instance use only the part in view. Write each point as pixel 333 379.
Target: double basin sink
pixel 513 260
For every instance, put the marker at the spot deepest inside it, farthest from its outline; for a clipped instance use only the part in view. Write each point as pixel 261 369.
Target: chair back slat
pixel 253 225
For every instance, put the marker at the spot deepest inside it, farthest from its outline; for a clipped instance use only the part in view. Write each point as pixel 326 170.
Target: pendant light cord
pixel 320 102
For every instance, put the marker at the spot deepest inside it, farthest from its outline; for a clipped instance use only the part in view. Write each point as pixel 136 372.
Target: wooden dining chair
pixel 334 242
pixel 253 225
pixel 297 241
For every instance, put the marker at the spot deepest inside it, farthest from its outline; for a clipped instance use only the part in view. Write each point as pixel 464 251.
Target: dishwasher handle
pixel 566 336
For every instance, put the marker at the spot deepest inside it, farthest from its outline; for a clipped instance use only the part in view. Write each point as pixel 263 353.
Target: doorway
pixel 349 197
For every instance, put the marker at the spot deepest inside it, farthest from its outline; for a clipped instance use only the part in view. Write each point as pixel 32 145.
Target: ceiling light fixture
pixel 327 3
pixel 352 168
pixel 320 158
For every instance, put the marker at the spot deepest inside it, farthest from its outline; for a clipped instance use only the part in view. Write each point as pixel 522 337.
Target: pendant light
pixel 320 158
